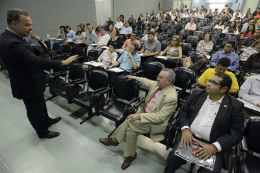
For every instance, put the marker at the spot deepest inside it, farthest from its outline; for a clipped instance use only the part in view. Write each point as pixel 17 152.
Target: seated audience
pixel 201 15
pixel 145 37
pixel 106 26
pixel 234 58
pixel 162 20
pixel 90 37
pixel 32 41
pixel 168 17
pixel 173 16
pixel 110 21
pixel 70 34
pixel 154 19
pixel 191 26
pixel 220 25
pixel 118 24
pixel 108 56
pixel 173 52
pixel 193 14
pixel 131 19
pixel 185 14
pixel 250 21
pixel 61 33
pixel 250 92
pixel 128 61
pixel 101 40
pixel 178 18
pixel 132 39
pixel 197 14
pixel 147 20
pixel 250 40
pixel 213 117
pixel 83 27
pixel 252 65
pixel 238 24
pixel 258 15
pixel 98 29
pixel 221 67
pixel 110 29
pixel 122 18
pixel 209 16
pixel 126 29
pixel 256 12
pixel 150 49
pixel 232 28
pixel 114 39
pixel 146 14
pixel 226 17
pixel 80 35
pixel 140 19
pixel 249 32
pixel 153 119
pixel 205 46
pixel 254 48
pixel 158 27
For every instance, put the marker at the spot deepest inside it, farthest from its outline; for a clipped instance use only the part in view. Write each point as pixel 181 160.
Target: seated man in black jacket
pixel 250 40
pixel 252 64
pixel 213 117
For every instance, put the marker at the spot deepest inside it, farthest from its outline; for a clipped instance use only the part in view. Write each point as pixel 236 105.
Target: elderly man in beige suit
pixel 160 104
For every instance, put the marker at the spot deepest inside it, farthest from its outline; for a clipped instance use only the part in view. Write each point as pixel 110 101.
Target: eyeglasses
pixel 213 82
pixel 160 77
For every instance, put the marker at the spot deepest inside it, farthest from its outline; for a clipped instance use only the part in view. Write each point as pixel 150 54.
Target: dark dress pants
pixel 38 115
pixel 169 63
pixel 174 162
pixel 145 60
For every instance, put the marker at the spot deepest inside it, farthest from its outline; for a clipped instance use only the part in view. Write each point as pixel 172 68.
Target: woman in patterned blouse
pixel 254 48
pixel 205 46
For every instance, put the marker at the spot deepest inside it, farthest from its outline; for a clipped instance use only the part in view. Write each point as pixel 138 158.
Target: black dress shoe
pixel 50 135
pixel 53 121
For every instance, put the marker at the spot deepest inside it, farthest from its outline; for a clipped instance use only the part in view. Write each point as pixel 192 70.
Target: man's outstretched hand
pixel 69 60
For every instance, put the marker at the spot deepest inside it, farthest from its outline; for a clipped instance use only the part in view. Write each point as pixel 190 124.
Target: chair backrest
pixel 252 135
pixel 48 44
pixel 76 71
pixel 160 37
pixel 230 37
pixel 170 33
pixel 193 40
pixel 152 69
pixel 93 54
pixel 204 30
pixel 126 90
pixel 184 34
pixel 163 45
pixel 198 34
pixel 186 47
pixel 183 76
pixel 98 79
pixel 79 51
pixel 122 37
pixel 195 57
pixel 66 49
pixel 215 36
pixel 224 42
pixel 56 46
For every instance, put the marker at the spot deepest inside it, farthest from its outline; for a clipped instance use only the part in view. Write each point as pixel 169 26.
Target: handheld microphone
pixel 42 45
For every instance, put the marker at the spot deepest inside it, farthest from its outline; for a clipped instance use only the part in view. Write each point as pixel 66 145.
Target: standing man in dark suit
pixel 212 117
pixel 25 68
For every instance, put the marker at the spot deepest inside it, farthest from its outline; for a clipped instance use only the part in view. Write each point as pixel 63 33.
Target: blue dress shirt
pixel 234 58
pixel 125 30
pixel 71 35
pixel 125 61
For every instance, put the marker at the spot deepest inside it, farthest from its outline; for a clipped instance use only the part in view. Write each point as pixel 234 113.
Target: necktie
pixel 150 99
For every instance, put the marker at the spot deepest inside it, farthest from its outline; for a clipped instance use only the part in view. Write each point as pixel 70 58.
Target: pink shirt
pixel 191 26
pixel 153 100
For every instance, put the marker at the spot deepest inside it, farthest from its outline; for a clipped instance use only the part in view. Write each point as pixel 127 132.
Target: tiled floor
pixel 76 150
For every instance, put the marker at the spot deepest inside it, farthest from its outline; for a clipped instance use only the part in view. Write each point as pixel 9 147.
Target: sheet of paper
pixel 93 44
pixel 162 57
pixel 93 63
pixel 117 70
pixel 141 54
pixel 208 56
pixel 59 39
pixel 104 47
pixel 77 42
pixel 119 50
pixel 250 105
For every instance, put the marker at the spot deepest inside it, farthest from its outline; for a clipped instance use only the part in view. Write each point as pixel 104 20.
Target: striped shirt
pixel 250 91
pixel 153 100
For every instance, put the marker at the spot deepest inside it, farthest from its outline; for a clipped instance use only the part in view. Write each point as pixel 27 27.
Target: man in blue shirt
pixel 234 58
pixel 70 36
pixel 126 29
pixel 128 61
pixel 250 21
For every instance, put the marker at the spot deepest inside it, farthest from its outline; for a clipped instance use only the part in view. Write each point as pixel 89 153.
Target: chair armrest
pixel 58 73
pixel 78 81
pixel 244 146
pixel 138 73
pixel 96 95
pixel 133 100
pixel 139 103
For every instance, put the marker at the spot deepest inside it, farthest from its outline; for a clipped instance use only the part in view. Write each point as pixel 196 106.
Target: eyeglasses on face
pixel 160 77
pixel 213 82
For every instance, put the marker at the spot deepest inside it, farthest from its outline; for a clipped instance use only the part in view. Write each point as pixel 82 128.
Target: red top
pixel 247 34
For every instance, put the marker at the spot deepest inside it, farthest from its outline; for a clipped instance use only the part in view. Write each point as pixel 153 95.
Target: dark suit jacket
pixel 228 126
pixel 24 66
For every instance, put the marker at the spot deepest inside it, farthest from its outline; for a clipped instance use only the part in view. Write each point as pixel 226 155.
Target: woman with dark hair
pixel 220 25
pixel 232 28
pixel 168 17
pixel 147 20
pixel 162 20
pixel 122 18
pixel 98 29
pixel 106 25
pixel 174 52
pixel 209 16
pixel 252 65
pixel 108 57
pixel 205 46
pixel 80 35
pixel 114 38
pixel 249 32
pixel 118 24
pixel 254 48
pixel 83 27
pixel 61 32
pixel 110 29
pixel 158 28
pixel 140 19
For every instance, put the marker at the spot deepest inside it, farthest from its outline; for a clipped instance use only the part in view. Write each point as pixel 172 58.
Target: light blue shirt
pixel 125 30
pixel 71 35
pixel 125 61
pixel 245 28
pixel 234 58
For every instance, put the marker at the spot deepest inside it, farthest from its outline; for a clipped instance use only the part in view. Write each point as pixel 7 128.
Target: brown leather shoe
pixel 128 161
pixel 108 142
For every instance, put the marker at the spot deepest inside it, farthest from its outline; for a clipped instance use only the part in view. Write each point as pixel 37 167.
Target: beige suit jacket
pixel 162 110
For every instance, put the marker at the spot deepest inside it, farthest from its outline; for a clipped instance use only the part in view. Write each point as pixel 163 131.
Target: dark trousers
pixel 145 60
pixel 38 115
pixel 169 63
pixel 174 162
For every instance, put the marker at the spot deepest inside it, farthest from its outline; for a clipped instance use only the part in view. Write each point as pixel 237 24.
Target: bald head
pixel 152 30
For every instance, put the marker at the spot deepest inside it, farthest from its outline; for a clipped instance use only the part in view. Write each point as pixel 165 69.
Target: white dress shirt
pixel 202 124
pixel 103 39
pixel 119 25
pixel 106 59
